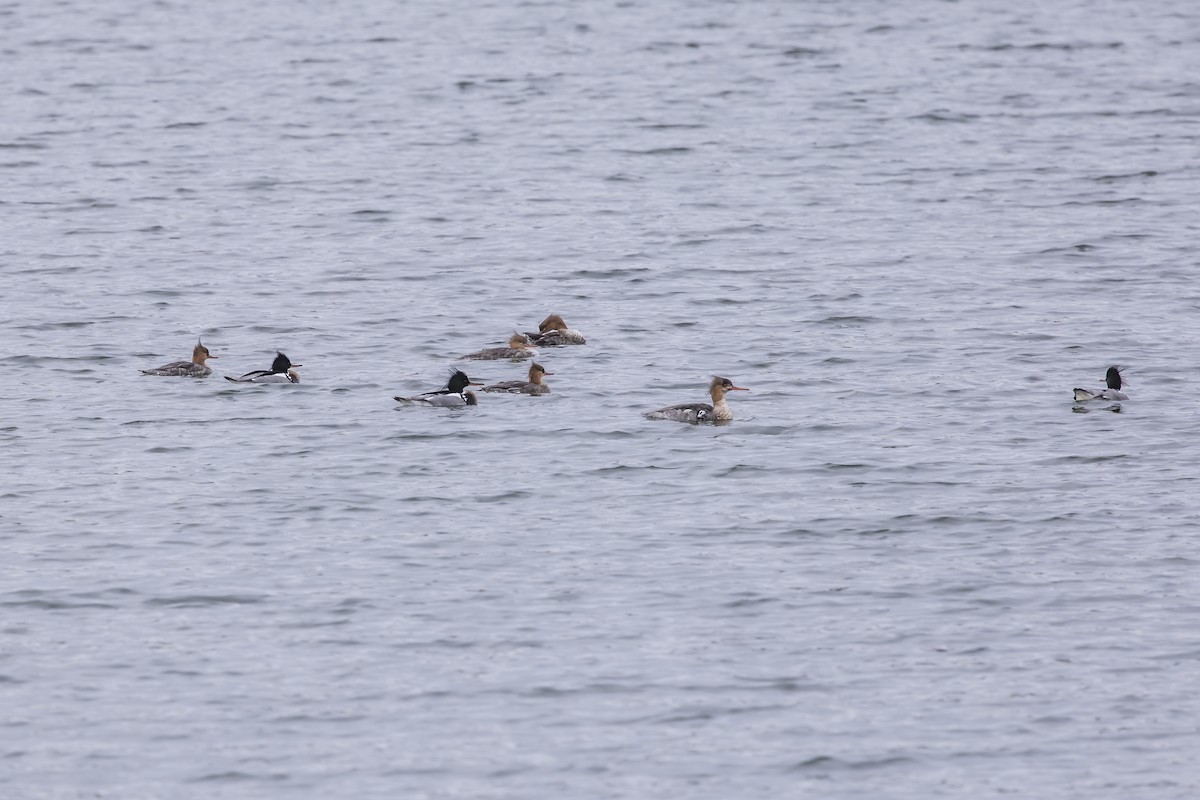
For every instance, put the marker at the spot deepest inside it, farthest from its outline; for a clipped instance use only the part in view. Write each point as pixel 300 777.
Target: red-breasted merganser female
pixel 519 347
pixel 455 395
pixel 701 412
pixel 1112 391
pixel 282 371
pixel 186 369
pixel 553 332
pixel 532 386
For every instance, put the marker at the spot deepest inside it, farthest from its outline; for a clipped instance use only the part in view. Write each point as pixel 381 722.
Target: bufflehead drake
pixel 553 332
pixel 1112 391
pixel 519 347
pixel 532 386
pixel 282 371
pixel 455 395
pixel 186 369
pixel 701 412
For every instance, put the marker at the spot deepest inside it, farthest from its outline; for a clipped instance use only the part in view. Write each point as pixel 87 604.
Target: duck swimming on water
pixel 186 369
pixel 519 347
pixel 282 371
pixel 455 395
pixel 1112 390
pixel 532 386
pixel 553 332
pixel 701 412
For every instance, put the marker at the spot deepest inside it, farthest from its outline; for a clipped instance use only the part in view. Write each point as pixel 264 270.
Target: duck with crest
pixel 1111 391
pixel 532 386
pixel 186 369
pixel 455 395
pixel 519 347
pixel 282 371
pixel 702 412
pixel 553 332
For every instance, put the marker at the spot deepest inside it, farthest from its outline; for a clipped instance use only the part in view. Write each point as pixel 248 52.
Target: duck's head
pixel 719 386
pixel 552 323
pixel 200 353
pixel 536 371
pixel 282 363
pixel 459 382
pixel 1113 378
pixel 519 341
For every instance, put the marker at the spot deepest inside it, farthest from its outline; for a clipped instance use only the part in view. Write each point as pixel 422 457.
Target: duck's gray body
pixel 686 412
pixel 519 387
pixel 185 369
pixel 553 332
pixel 696 413
pixel 1112 390
pixel 554 338
pixel 443 399
pixel 501 353
pixel 180 369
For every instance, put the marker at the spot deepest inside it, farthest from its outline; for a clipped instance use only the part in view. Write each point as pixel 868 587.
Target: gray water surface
pixel 909 568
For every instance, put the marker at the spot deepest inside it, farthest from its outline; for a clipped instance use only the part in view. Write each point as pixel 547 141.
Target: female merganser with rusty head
pixel 553 332
pixel 1112 390
pixel 519 347
pixel 532 386
pixel 186 369
pixel 282 371
pixel 702 412
pixel 455 395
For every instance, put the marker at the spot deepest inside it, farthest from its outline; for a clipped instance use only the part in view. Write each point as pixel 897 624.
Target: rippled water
pixel 909 568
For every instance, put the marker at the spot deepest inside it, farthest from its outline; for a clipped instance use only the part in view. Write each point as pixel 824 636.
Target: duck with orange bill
pixel 519 347
pixel 553 332
pixel 282 371
pixel 702 412
pixel 532 386
pixel 186 369
pixel 455 395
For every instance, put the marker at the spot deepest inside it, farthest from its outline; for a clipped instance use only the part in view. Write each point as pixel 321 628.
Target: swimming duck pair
pixel 282 369
pixel 456 394
pixel 552 332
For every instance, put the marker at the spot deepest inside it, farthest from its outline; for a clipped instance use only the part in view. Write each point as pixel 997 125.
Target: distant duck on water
pixel 186 369
pixel 702 412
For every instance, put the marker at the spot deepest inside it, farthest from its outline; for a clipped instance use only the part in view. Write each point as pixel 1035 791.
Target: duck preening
pixel 553 332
